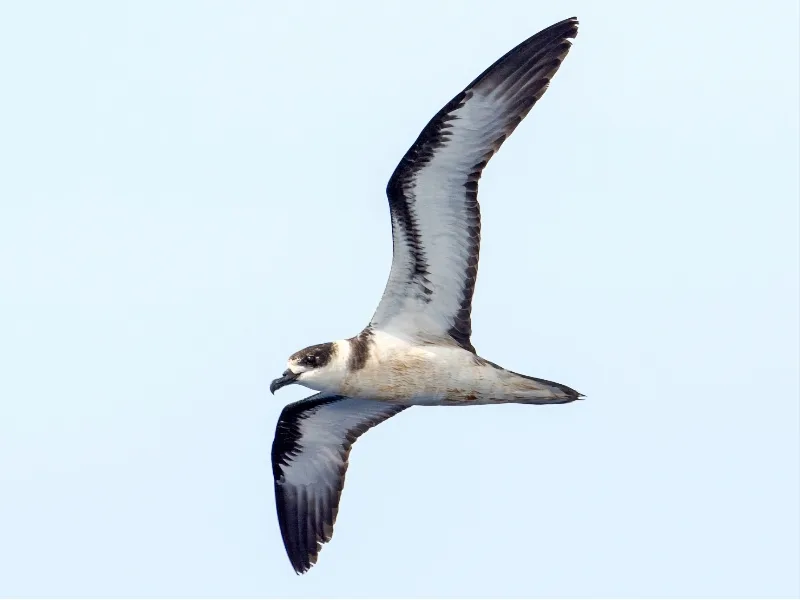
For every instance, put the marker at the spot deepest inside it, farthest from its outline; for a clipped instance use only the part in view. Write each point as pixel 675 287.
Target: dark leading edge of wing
pixel 309 461
pixel 433 191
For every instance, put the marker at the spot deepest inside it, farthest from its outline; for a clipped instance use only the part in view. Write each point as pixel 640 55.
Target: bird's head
pixel 315 367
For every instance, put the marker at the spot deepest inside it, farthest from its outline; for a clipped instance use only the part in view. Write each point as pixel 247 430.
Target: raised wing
pixel 309 462
pixel 433 193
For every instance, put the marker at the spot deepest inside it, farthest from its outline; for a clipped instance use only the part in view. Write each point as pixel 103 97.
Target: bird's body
pixel 427 374
pixel 417 349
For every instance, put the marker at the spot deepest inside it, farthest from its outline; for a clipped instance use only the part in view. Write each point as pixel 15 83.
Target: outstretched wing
pixel 433 193
pixel 309 462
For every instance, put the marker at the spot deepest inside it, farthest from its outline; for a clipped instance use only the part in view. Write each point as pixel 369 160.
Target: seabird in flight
pixel 416 350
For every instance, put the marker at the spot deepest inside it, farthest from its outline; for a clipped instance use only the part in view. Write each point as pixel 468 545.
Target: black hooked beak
pixel 285 379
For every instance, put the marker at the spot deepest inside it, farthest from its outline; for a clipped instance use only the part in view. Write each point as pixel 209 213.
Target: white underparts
pixel 398 370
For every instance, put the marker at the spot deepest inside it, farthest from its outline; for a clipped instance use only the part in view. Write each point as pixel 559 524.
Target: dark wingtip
pixel 571 23
pixel 568 28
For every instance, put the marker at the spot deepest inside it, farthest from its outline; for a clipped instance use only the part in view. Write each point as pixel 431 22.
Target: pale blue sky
pixel 191 191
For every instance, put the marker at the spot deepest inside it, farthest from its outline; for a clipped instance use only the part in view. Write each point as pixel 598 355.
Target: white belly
pixel 427 374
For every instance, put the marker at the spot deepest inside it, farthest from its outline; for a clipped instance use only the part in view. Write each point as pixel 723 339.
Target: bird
pixel 416 349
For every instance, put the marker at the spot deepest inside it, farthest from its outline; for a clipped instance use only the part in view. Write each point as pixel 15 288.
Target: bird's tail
pixel 524 389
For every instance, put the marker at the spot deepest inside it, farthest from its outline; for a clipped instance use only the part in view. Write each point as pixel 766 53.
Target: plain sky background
pixel 191 191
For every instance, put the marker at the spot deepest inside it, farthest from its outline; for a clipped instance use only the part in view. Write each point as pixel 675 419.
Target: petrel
pixel 416 350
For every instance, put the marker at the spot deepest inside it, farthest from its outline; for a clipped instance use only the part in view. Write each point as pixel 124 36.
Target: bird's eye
pixel 311 360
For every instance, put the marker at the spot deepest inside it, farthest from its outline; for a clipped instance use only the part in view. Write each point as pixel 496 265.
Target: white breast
pixel 399 371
